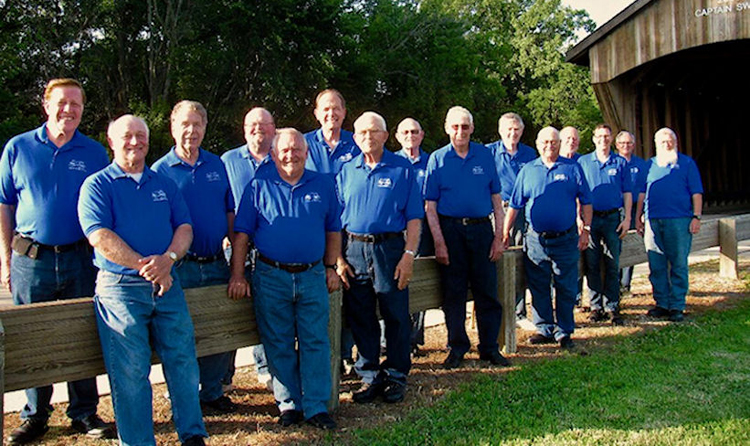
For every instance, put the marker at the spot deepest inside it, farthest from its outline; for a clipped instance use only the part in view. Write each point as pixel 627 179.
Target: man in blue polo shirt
pixel 510 156
pixel 139 225
pixel 48 258
pixel 672 198
pixel 380 196
pixel 410 135
pixel 292 215
pixel 330 147
pixel 461 190
pixel 202 180
pixel 242 164
pixel 611 198
pixel 625 143
pixel 550 188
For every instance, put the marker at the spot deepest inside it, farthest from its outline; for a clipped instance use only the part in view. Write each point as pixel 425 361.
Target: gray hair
pixel 371 114
pixel 458 110
pixel 510 116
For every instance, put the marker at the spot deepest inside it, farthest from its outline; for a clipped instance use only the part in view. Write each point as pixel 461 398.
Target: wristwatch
pixel 697 217
pixel 410 252
pixel 587 228
pixel 172 255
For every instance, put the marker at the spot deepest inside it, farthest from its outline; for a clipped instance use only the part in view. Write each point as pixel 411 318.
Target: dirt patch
pixel 255 423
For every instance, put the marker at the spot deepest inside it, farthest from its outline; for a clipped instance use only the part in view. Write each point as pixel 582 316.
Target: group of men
pixel 305 215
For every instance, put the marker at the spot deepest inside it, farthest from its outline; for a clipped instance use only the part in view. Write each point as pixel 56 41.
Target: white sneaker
pixel 267 379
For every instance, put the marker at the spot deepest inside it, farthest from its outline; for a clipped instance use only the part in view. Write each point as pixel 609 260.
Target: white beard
pixel 666 157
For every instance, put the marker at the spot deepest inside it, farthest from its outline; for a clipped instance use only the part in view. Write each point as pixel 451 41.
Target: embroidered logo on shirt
pixel 477 170
pixel 612 172
pixel 560 177
pixel 159 195
pixel 634 170
pixel 312 197
pixel 345 157
pixel 385 182
pixel 213 176
pixel 77 165
pixel 421 173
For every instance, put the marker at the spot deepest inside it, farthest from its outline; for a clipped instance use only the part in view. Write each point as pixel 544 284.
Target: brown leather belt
pixel 288 267
pixel 27 246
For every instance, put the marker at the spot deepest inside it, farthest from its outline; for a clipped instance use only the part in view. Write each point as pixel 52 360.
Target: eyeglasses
pixel 412 132
pixel 461 126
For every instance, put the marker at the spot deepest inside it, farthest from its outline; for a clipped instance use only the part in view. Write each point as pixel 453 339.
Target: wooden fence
pixel 53 342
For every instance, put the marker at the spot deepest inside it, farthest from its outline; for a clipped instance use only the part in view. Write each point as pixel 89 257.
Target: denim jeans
pixel 292 314
pixel 373 286
pixel 131 318
pixel 213 368
pixel 468 252
pixel 549 261
pixel 668 242
pixel 51 277
pixel 604 248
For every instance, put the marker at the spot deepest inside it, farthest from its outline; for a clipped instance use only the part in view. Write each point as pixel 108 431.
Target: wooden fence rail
pixel 53 342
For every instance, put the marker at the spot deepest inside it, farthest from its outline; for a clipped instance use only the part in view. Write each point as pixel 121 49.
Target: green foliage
pixel 398 57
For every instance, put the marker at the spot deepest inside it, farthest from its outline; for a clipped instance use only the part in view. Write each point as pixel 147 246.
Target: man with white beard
pixel 672 199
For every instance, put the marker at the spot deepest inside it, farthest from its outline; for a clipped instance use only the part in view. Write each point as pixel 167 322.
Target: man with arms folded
pixel 202 180
pixel 461 190
pixel 672 200
pixel 549 189
pixel 292 215
pixel 43 252
pixel 380 197
pixel 139 225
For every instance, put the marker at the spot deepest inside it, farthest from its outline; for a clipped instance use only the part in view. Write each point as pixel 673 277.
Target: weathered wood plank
pixel 728 248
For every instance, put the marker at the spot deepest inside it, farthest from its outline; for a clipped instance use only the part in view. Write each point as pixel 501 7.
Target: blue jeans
pixel 545 260
pixel 468 252
pixel 131 318
pixel 668 242
pixel 51 277
pixel 373 285
pixel 212 368
pixel 604 247
pixel 292 314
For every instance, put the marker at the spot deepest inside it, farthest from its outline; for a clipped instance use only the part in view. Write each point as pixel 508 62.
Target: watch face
pixel 172 256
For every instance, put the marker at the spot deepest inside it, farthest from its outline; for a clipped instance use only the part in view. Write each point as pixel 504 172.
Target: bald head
pixel 128 138
pixel 259 130
pixel 569 141
pixel 410 135
pixel 548 144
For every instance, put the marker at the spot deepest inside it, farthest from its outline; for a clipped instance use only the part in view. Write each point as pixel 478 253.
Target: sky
pixel 599 10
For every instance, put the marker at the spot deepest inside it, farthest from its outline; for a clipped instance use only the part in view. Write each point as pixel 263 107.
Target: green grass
pixel 684 384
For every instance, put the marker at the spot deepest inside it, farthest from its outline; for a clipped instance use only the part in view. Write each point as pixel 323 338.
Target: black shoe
pixel 322 421
pixel 416 352
pixel 221 405
pixel 368 392
pixel 27 432
pixel 616 318
pixel 598 316
pixel 195 440
pixel 453 361
pixel 495 358
pixel 676 316
pixel 657 312
pixel 566 343
pixel 393 392
pixel 290 417
pixel 94 427
pixel 538 338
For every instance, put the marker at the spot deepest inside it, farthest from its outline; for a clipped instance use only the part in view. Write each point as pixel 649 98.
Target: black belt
pixel 605 213
pixel 374 238
pixel 288 267
pixel 551 234
pixel 466 221
pixel 27 246
pixel 205 259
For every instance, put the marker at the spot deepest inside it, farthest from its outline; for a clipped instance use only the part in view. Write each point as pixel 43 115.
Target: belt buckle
pixel 465 221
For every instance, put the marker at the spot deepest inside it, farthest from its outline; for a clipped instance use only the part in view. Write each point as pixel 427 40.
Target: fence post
pixel 334 334
pixel 506 281
pixel 728 248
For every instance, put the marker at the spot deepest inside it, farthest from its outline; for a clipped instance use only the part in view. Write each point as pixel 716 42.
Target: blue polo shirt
pixel 379 199
pixel 419 165
pixel 637 169
pixel 607 180
pixel 241 169
pixel 320 157
pixel 670 189
pixel 43 182
pixel 205 188
pixel 462 187
pixel 144 215
pixel 549 194
pixel 509 165
pixel 289 223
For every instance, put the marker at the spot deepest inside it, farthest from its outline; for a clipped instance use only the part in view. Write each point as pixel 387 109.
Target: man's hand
pixel 583 240
pixel 404 270
pixel 164 284
pixel 155 268
pixel 640 226
pixel 623 227
pixel 5 273
pixel 333 281
pixel 695 226
pixel 441 253
pixel 238 287
pixel 497 248
pixel 344 272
